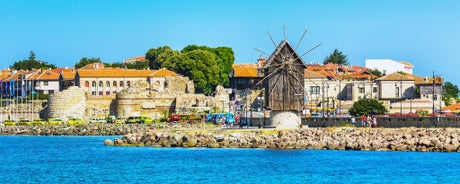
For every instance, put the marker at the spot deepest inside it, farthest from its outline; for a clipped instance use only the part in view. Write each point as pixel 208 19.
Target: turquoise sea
pixel 77 159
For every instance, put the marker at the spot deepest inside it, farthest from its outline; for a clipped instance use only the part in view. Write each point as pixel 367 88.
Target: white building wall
pixel 46 89
pixel 388 66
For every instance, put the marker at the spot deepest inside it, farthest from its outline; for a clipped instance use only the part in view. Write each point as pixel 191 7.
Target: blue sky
pixel 424 33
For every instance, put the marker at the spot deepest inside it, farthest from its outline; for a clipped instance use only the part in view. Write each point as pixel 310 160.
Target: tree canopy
pixel 86 61
pixel 207 67
pixel 138 65
pixel 376 72
pixel 451 91
pixel 366 107
pixel 31 63
pixel 336 57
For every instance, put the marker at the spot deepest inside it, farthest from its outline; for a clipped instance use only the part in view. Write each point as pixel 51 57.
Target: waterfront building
pixel 99 80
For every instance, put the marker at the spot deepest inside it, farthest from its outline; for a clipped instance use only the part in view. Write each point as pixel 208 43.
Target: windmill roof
pixel 283 44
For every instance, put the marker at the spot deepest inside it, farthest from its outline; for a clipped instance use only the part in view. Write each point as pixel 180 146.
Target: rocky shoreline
pixel 333 138
pixel 81 130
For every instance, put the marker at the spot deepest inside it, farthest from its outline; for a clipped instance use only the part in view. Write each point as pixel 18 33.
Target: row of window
pixel 108 84
pixel 102 93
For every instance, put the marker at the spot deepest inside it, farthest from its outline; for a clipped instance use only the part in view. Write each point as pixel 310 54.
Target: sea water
pixel 77 159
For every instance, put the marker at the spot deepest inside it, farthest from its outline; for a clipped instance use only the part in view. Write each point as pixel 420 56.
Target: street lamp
pixel 298 111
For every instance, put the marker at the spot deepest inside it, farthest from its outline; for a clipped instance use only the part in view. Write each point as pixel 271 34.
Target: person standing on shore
pixel 374 121
pixel 353 121
pixel 369 121
pixel 363 120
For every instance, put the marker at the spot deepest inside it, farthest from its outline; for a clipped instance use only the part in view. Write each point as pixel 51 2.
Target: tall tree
pixel 86 61
pixel 207 67
pixel 451 91
pixel 31 63
pixel 336 57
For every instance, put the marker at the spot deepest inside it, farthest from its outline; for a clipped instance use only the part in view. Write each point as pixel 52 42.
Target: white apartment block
pixel 388 66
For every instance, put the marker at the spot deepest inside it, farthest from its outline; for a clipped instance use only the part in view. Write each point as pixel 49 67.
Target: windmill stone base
pixel 285 119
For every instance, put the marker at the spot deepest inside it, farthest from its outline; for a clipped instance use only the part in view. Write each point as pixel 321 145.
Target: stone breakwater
pixel 83 130
pixel 401 139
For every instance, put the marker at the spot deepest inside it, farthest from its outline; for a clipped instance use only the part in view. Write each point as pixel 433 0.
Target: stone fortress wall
pixel 68 103
pixel 141 99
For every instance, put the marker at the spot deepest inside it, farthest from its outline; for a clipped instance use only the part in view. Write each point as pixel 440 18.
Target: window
pixel 121 84
pixel 101 84
pixel 374 89
pixel 114 84
pixel 314 90
pixel 107 92
pixel 128 84
pixel 86 84
pixel 93 93
pixel 397 92
pixel 107 84
pixel 93 84
pixel 101 93
pixel 361 90
pixel 45 83
pixel 114 92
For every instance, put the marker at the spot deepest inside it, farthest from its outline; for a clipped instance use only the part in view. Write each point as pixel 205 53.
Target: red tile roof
pixel 134 59
pixel 396 77
pixel 311 74
pixel 113 72
pixel 245 70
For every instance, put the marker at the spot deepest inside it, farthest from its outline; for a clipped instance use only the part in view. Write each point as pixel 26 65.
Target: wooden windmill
pixel 283 79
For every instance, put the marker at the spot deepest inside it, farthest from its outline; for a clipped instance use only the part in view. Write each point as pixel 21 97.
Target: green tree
pixel 336 57
pixel 451 91
pixel 376 72
pixel 367 106
pixel 224 57
pixel 31 63
pixel 113 65
pixel 139 65
pixel 86 61
pixel 207 67
pixel 157 56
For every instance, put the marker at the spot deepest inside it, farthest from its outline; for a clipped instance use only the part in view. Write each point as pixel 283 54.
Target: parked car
pixel 133 119
pixel 38 121
pixel 55 121
pixel 23 121
pixel 146 120
pixel 120 120
pixel 75 121
pixel 9 122
pixel 97 120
